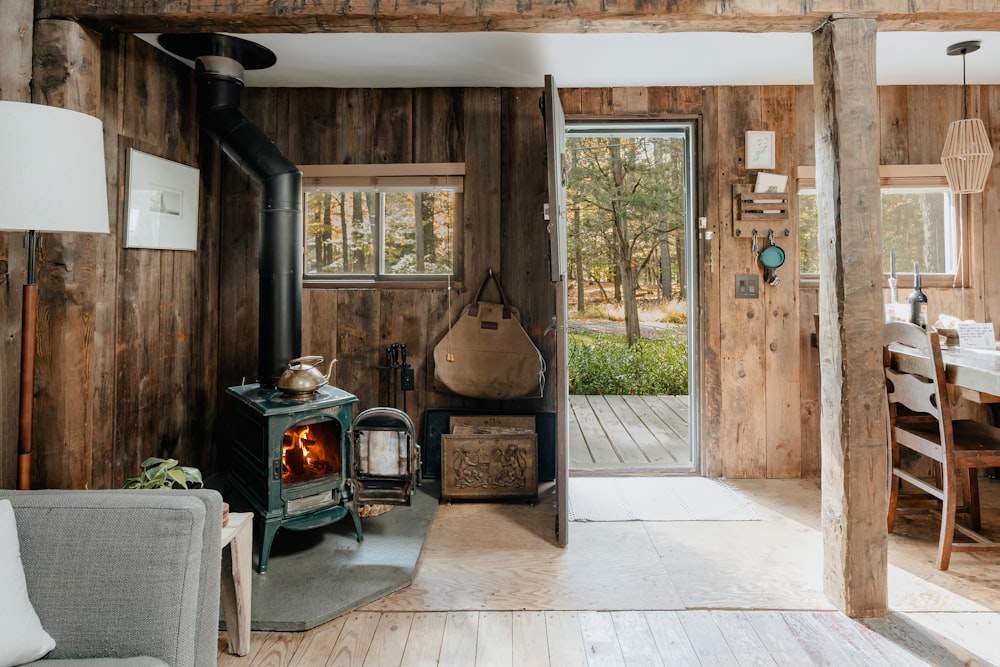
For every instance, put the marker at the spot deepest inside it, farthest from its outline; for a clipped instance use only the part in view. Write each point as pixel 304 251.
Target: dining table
pixel 975 372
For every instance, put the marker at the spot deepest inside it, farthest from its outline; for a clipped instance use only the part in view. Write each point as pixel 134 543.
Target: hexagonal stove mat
pixel 317 575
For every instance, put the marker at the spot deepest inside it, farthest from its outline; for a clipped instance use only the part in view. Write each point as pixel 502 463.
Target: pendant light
pixel 967 156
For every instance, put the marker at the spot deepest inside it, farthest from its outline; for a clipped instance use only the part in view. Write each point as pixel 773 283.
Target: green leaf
pixel 193 475
pixel 178 477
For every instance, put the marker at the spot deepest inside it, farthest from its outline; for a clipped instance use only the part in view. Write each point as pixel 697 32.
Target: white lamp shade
pixel 52 170
pixel 967 156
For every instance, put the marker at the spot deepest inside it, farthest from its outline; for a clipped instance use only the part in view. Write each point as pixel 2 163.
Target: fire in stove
pixel 310 451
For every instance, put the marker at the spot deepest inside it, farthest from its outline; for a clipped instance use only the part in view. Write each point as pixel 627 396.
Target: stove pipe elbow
pixel 220 85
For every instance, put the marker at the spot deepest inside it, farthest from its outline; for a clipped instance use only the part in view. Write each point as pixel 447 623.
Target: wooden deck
pixel 621 434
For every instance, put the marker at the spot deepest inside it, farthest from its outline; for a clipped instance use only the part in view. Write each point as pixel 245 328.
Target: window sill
pixel 421 283
pixel 936 281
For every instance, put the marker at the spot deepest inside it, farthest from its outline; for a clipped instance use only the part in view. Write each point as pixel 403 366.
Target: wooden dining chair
pixel 920 420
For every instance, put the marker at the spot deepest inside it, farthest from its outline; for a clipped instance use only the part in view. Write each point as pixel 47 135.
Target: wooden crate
pixel 763 211
pixel 473 424
pixel 491 466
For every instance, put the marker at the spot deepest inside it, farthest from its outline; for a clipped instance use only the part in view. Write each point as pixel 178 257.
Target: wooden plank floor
pixel 617 434
pixel 492 588
pixel 600 638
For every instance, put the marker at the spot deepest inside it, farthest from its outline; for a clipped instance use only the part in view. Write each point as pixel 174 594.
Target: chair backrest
pixel 916 383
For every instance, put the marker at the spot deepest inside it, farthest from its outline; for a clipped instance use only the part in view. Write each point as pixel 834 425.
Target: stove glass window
pixel 310 451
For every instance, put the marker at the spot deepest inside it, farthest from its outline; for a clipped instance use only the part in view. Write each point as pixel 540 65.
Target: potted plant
pixel 160 473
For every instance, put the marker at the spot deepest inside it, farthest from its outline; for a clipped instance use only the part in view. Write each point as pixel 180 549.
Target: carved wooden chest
pixel 490 458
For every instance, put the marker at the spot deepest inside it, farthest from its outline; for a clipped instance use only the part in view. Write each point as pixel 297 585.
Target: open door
pixel 385 457
pixel 556 143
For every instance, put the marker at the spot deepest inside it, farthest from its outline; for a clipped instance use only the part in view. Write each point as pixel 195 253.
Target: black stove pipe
pixel 220 85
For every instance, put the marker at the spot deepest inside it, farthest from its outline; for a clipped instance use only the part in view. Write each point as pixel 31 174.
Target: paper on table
pixel 976 336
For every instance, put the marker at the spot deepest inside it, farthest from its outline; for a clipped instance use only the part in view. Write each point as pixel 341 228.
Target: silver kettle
pixel 303 377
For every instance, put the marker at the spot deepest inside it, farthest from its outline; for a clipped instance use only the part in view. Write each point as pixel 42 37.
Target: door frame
pixel 695 249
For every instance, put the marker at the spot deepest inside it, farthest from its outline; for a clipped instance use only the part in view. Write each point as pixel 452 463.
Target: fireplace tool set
pixel 400 374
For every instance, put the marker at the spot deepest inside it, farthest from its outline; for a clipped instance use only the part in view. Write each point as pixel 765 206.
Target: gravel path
pixel 649 330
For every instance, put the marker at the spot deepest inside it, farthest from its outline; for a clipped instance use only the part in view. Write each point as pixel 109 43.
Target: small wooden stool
pixel 237 562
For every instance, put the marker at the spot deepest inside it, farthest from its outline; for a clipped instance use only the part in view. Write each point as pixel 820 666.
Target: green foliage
pixel 413 230
pixel 917 224
pixel 160 473
pixel 627 210
pixel 606 365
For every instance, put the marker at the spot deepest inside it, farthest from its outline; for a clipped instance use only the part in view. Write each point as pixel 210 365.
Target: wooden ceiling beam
pixel 555 16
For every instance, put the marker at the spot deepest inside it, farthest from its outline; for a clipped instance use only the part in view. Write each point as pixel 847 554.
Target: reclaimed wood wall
pixel 760 365
pixel 126 357
pixel 503 227
pixel 169 330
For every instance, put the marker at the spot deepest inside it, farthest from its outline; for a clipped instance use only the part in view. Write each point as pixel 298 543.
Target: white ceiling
pixel 407 60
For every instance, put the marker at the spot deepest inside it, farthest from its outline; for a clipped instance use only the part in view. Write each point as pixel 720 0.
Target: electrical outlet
pixel 747 286
pixel 406 378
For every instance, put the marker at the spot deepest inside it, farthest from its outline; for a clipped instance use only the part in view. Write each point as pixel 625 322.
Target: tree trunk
pixel 666 280
pixel 681 245
pixel 418 231
pixel 928 228
pixel 324 250
pixel 579 262
pixel 631 304
pixel 345 252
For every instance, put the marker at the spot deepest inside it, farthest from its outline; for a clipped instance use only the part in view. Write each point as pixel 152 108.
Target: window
pixel 381 222
pixel 920 223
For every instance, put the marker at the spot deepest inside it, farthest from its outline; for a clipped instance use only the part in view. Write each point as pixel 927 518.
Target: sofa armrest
pixel 123 573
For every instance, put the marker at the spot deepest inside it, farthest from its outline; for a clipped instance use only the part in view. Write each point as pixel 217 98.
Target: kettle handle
pixel 311 360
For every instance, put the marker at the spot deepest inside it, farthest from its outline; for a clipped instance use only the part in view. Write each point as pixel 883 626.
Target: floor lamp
pixel 52 179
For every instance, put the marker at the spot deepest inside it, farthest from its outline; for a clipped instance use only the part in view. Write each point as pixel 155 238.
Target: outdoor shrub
pixel 606 365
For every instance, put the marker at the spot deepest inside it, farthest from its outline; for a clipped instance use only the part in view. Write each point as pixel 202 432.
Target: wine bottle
pixel 918 300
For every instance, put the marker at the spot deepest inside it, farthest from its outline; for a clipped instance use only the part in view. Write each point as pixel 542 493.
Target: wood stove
pixel 301 463
pixel 291 458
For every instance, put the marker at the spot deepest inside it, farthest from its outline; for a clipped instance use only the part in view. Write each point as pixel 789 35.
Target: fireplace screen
pixel 310 451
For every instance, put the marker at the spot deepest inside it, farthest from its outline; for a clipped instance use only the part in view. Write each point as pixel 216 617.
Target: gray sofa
pixel 123 577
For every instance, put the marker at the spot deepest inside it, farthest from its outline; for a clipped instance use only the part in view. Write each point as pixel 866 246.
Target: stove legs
pixel 352 509
pixel 270 529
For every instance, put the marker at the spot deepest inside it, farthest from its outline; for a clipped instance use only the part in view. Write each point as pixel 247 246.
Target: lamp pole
pixel 42 148
pixel 29 312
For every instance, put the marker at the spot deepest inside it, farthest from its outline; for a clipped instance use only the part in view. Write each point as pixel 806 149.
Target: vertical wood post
pixel 854 505
pixel 66 73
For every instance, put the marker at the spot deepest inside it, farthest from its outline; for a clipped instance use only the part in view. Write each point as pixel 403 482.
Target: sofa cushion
pixel 115 574
pixel 22 637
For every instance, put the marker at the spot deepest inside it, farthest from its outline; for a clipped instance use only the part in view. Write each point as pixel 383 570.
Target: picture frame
pixel 759 149
pixel 162 205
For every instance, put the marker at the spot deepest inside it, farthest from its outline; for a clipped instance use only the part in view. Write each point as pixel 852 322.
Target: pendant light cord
pixel 965 95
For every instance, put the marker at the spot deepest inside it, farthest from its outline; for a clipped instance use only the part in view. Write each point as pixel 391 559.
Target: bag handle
pixel 474 308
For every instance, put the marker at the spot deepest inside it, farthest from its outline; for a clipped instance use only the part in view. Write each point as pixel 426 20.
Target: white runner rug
pixel 657 499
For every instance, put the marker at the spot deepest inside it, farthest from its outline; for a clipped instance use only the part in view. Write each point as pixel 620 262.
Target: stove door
pixel 385 457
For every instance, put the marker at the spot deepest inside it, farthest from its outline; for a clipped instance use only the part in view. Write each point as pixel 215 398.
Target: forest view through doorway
pixel 629 216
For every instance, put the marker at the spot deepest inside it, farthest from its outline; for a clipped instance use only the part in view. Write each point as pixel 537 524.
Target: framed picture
pixel 759 149
pixel 162 206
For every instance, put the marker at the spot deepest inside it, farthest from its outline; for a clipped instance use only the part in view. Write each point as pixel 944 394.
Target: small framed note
pixel 976 336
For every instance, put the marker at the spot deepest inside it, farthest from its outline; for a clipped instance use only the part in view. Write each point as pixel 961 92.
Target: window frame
pixel 410 177
pixel 909 176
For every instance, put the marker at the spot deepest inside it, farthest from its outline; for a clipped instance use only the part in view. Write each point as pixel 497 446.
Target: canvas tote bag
pixel 487 354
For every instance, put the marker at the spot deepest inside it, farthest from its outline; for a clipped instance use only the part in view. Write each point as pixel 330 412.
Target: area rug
pixel 317 575
pixel 657 499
